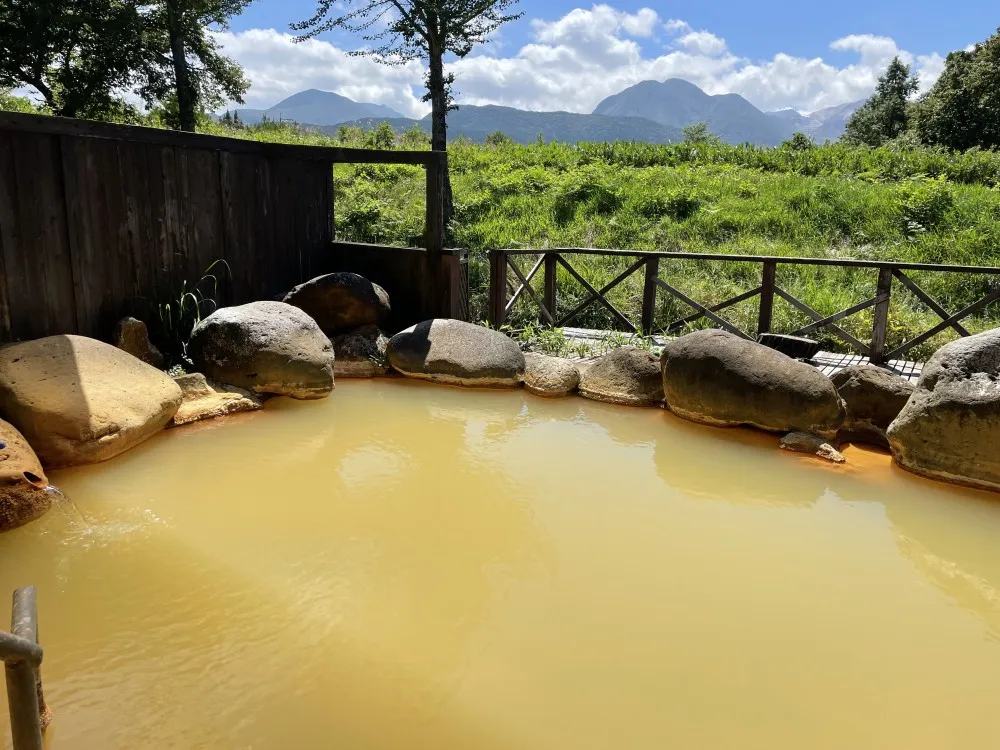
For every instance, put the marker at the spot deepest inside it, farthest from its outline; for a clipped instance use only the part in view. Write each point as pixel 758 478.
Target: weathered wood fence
pixel 651 263
pixel 99 220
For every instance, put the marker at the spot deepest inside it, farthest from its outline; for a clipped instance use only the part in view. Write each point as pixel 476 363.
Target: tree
pixel 78 54
pixel 886 114
pixel 799 142
pixel 185 68
pixel 404 30
pixel 962 110
pixel 699 134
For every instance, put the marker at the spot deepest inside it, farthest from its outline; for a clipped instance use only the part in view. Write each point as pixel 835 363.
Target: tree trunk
pixel 182 76
pixel 437 88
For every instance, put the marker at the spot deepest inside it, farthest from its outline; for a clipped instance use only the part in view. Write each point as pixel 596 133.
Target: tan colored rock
pixel 207 399
pixel 550 376
pixel 341 302
pixel 131 336
pixel 23 494
pixel 360 354
pixel 874 398
pixel 627 376
pixel 79 401
pixel 803 442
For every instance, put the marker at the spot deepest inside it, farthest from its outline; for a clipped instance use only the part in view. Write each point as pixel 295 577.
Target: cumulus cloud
pixel 574 61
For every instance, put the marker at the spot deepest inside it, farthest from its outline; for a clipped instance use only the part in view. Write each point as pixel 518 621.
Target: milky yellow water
pixel 412 566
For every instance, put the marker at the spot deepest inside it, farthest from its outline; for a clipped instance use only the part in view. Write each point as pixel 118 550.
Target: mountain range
pixel 650 111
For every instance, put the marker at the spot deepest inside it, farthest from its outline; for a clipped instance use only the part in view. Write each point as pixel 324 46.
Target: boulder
pixel 341 302
pixel 873 398
pixel 79 401
pixel 360 354
pixel 207 399
pixel 131 336
pixel 23 487
pixel 457 353
pixel 550 376
pixel 717 378
pixel 627 376
pixel 950 427
pixel 265 347
pixel 803 442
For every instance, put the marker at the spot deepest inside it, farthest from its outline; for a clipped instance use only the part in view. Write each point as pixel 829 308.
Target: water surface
pixel 411 566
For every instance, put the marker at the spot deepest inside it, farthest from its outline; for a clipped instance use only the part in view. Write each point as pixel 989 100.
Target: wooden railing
pixel 22 657
pixel 652 263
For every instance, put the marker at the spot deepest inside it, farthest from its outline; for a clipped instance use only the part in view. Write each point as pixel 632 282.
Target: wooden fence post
pixel 549 298
pixel 766 297
pixel 883 293
pixel 649 294
pixel 498 288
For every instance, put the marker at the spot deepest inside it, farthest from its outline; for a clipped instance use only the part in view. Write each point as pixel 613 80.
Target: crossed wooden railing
pixel 500 306
pixel 22 657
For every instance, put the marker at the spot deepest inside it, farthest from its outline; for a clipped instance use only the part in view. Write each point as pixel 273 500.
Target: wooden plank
pixel 880 326
pixel 778 259
pixel 681 322
pixel 49 296
pixel 10 241
pixel 928 300
pixel 549 290
pixel 525 281
pixel 44 124
pixel 133 178
pixel 526 286
pixel 649 295
pixel 764 316
pixel 862 348
pixel 598 296
pixel 847 312
pixel 703 310
pixel 498 288
pixel 961 314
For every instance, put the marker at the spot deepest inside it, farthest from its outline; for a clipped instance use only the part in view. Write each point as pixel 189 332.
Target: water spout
pixel 69 508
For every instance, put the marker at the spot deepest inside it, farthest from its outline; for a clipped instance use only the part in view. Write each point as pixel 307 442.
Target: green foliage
pixel 11 103
pixel 76 53
pixel 925 204
pixel 962 110
pixel 181 311
pixel 498 138
pixel 886 114
pixel 182 65
pixel 799 142
pixel 383 137
pixel 698 134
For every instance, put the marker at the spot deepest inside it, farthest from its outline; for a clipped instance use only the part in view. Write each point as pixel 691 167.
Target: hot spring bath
pixel 412 566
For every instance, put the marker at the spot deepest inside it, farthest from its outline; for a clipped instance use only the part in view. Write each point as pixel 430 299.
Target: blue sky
pixel 777 53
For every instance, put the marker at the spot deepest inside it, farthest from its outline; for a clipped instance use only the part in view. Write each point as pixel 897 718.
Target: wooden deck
pixel 828 362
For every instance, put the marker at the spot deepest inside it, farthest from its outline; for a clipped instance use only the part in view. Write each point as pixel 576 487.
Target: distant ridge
pixel 650 111
pixel 317 107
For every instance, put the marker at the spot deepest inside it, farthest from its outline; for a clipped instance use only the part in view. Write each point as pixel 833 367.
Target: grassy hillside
pixel 829 201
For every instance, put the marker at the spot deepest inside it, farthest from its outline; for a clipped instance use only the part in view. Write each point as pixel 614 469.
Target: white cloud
pixel 574 61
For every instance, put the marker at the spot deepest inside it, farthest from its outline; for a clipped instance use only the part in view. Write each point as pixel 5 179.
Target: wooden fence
pixel 651 263
pixel 98 221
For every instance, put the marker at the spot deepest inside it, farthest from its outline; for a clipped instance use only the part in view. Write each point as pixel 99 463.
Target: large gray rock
pixel 265 347
pixel 550 376
pixel 718 378
pixel 360 354
pixel 24 494
pixel 78 400
pixel 341 302
pixel 950 427
pixel 627 376
pixel 873 397
pixel 207 399
pixel 457 353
